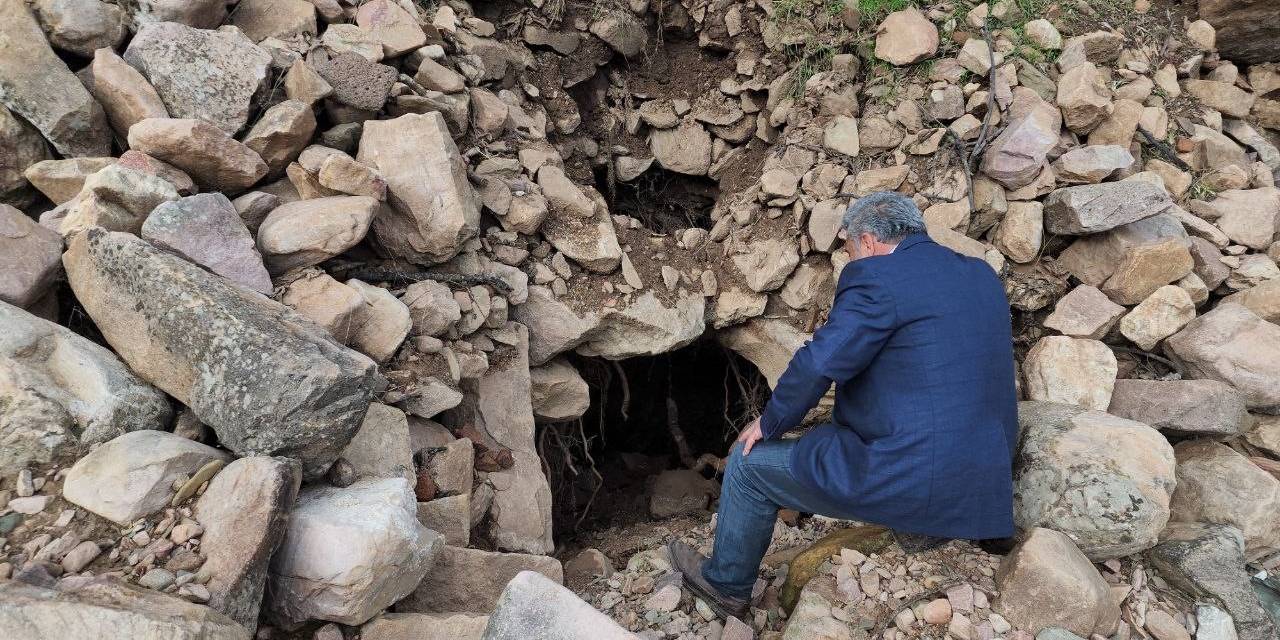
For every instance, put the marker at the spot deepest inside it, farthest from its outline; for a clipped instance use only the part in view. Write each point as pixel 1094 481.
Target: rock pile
pixel 340 251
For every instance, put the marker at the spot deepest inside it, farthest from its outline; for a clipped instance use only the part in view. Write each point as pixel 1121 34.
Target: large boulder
pixel 1246 29
pixel 1047 582
pixel 645 326
pixel 209 155
pixel 1207 561
pixel 133 475
pixel 301 395
pixel 37 85
pixel 433 208
pixel 81 26
pixel 1104 481
pixel 1095 258
pixel 349 553
pixel 1070 370
pixel 244 512
pixel 63 392
pixel 683 149
pixel 1232 344
pixel 105 607
pixel 199 73
pixel 533 606
pixel 1203 407
pixel 381 448
pixel 207 230
pixel 283 19
pixel 1216 484
pixel 471 580
pixel 1092 208
pixel 30 258
pixel 591 241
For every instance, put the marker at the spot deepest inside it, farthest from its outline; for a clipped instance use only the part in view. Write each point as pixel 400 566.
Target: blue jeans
pixel 754 488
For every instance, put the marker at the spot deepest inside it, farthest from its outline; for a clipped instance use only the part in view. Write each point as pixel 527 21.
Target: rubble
pixel 453 224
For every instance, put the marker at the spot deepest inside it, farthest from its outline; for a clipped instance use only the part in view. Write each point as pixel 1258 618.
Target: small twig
pixel 1138 352
pixel 1163 149
pixel 413 84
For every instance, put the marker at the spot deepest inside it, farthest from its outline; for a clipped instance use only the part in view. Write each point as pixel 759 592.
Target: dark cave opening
pixel 665 201
pixel 706 390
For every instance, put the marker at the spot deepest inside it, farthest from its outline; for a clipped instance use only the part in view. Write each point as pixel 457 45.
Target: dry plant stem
pixel 371 273
pixel 626 390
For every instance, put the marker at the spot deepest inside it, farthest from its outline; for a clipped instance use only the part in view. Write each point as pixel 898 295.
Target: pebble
pixel 704 610
pixel 904 619
pixel 29 505
pixel 961 597
pixel 642 584
pixel 80 556
pixel 735 629
pixel 329 631
pixel 25 487
pixel 157 579
pixel 1164 627
pixel 65 518
pixel 937 611
pixel 185 531
pixel 999 624
pixel 666 599
pixel 194 592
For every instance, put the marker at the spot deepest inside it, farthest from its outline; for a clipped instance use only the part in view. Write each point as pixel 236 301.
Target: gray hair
pixel 887 215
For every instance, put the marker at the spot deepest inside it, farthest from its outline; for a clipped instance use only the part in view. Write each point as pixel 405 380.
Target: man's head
pixel 874 225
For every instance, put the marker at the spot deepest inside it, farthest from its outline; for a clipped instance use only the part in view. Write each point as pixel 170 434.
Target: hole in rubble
pixel 665 201
pixel 706 390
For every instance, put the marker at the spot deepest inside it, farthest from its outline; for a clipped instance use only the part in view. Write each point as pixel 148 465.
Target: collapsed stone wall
pixel 355 243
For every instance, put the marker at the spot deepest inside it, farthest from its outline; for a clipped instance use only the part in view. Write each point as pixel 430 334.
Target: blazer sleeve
pixel 861 320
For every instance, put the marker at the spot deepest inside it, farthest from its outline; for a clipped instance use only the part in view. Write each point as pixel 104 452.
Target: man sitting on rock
pixel 918 344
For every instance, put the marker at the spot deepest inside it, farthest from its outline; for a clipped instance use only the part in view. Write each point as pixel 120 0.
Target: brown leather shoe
pixel 689 562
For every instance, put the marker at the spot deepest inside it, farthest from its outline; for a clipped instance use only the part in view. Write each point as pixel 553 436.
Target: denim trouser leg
pixel 754 488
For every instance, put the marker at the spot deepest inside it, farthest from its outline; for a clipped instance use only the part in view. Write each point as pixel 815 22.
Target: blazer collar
pixel 913 239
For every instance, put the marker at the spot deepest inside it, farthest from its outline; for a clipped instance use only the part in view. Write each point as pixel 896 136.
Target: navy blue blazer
pixel 919 346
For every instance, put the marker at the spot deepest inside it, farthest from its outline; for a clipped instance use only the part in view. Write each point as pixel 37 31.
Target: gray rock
pixel 498 404
pixel 133 475
pixel 1092 208
pixel 244 512
pixel 307 232
pixel 1046 582
pixel 81 26
pixel 207 75
pixel 207 230
pixel 64 392
pixel 380 448
pixel 1103 480
pixel 1205 407
pixel 1232 344
pixel 349 553
pixel 300 395
pixel 202 14
pixel 37 85
pixel 433 208
pixel 532 606
pixel 471 580
pixel 646 326
pixel 424 626
pixel 622 31
pixel 1018 154
pixel 559 392
pixel 24 148
pixel 1207 561
pixel 1217 484
pixel 105 607
pixel 680 491
pixel 356 81
pixel 30 258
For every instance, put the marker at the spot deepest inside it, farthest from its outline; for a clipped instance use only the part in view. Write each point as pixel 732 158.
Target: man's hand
pixel 750 436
